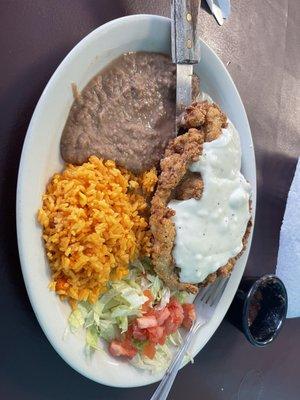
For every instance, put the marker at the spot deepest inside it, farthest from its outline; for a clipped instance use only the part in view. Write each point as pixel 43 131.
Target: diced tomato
pixel 128 333
pixel 130 348
pixel 163 339
pixel 138 333
pixel 157 335
pixel 189 315
pixel 122 349
pixel 170 326
pixel 147 305
pixel 174 321
pixel 149 350
pixel 176 311
pixel 147 321
pixel 162 315
pixel 149 294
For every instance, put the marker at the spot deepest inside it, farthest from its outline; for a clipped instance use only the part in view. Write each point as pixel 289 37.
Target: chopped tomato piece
pixel 176 312
pixel 148 321
pixel 130 347
pixel 174 321
pixel 175 308
pixel 157 335
pixel 149 350
pixel 162 315
pixel 138 333
pixel 147 305
pixel 170 326
pixel 149 294
pixel 122 349
pixel 128 333
pixel 162 340
pixel 189 315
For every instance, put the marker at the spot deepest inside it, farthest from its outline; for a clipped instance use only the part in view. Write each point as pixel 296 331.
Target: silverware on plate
pixel 185 54
pixel 206 301
pixel 185 48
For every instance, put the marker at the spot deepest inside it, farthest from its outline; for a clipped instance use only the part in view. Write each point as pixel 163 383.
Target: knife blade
pixel 184 74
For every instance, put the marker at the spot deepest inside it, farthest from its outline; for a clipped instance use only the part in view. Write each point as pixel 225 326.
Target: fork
pixel 206 300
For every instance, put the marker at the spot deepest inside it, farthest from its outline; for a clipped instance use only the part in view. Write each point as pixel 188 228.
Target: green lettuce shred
pixel 111 314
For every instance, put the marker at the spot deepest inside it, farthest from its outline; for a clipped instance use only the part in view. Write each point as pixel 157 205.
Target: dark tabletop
pixel 260 46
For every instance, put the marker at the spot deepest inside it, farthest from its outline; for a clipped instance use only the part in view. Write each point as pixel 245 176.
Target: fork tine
pixel 211 294
pixel 211 289
pixel 219 290
pixel 202 292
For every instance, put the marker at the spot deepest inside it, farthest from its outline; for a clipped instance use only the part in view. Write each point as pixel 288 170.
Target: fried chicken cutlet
pixel 179 154
pixel 210 120
pixel 203 122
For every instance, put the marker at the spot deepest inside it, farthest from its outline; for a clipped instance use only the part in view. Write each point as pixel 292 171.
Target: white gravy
pixel 209 231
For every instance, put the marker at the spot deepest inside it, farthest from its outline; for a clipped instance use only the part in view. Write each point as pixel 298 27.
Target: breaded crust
pixel 179 154
pixel 208 117
pixel 203 122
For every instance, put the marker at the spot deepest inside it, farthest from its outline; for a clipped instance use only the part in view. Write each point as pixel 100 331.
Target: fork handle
pixel 163 389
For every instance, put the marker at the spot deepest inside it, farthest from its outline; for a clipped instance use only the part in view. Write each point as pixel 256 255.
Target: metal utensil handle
pixel 185 46
pixel 163 389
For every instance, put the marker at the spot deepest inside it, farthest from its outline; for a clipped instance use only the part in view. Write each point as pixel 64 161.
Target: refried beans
pixel 126 113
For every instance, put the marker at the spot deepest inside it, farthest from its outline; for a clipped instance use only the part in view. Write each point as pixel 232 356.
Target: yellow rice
pixel 94 220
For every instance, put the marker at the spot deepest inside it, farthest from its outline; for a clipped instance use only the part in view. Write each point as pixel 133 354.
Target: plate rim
pixel 231 287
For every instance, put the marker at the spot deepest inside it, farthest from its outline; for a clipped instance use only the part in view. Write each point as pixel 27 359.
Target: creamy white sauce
pixel 209 231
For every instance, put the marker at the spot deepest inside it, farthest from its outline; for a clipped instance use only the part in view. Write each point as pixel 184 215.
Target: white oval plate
pixel 41 158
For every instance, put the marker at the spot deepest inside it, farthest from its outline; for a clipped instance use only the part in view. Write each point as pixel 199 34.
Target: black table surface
pixel 260 46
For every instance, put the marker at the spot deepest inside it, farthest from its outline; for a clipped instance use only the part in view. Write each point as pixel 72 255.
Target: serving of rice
pixel 94 220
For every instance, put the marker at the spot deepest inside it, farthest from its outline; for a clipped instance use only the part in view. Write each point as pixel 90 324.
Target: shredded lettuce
pixel 76 320
pixel 164 298
pixel 181 297
pixel 138 344
pixel 163 355
pixel 122 323
pixel 155 286
pixel 188 358
pixel 113 309
pixel 160 362
pixel 175 338
pixel 92 337
pixel 111 314
pixel 139 266
pixel 106 330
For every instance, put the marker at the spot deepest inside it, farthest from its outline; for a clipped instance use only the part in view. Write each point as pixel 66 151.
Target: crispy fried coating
pixel 204 122
pixel 190 187
pixel 179 154
pixel 205 116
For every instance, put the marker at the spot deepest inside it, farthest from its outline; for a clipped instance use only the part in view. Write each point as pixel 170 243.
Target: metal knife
pixel 185 48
